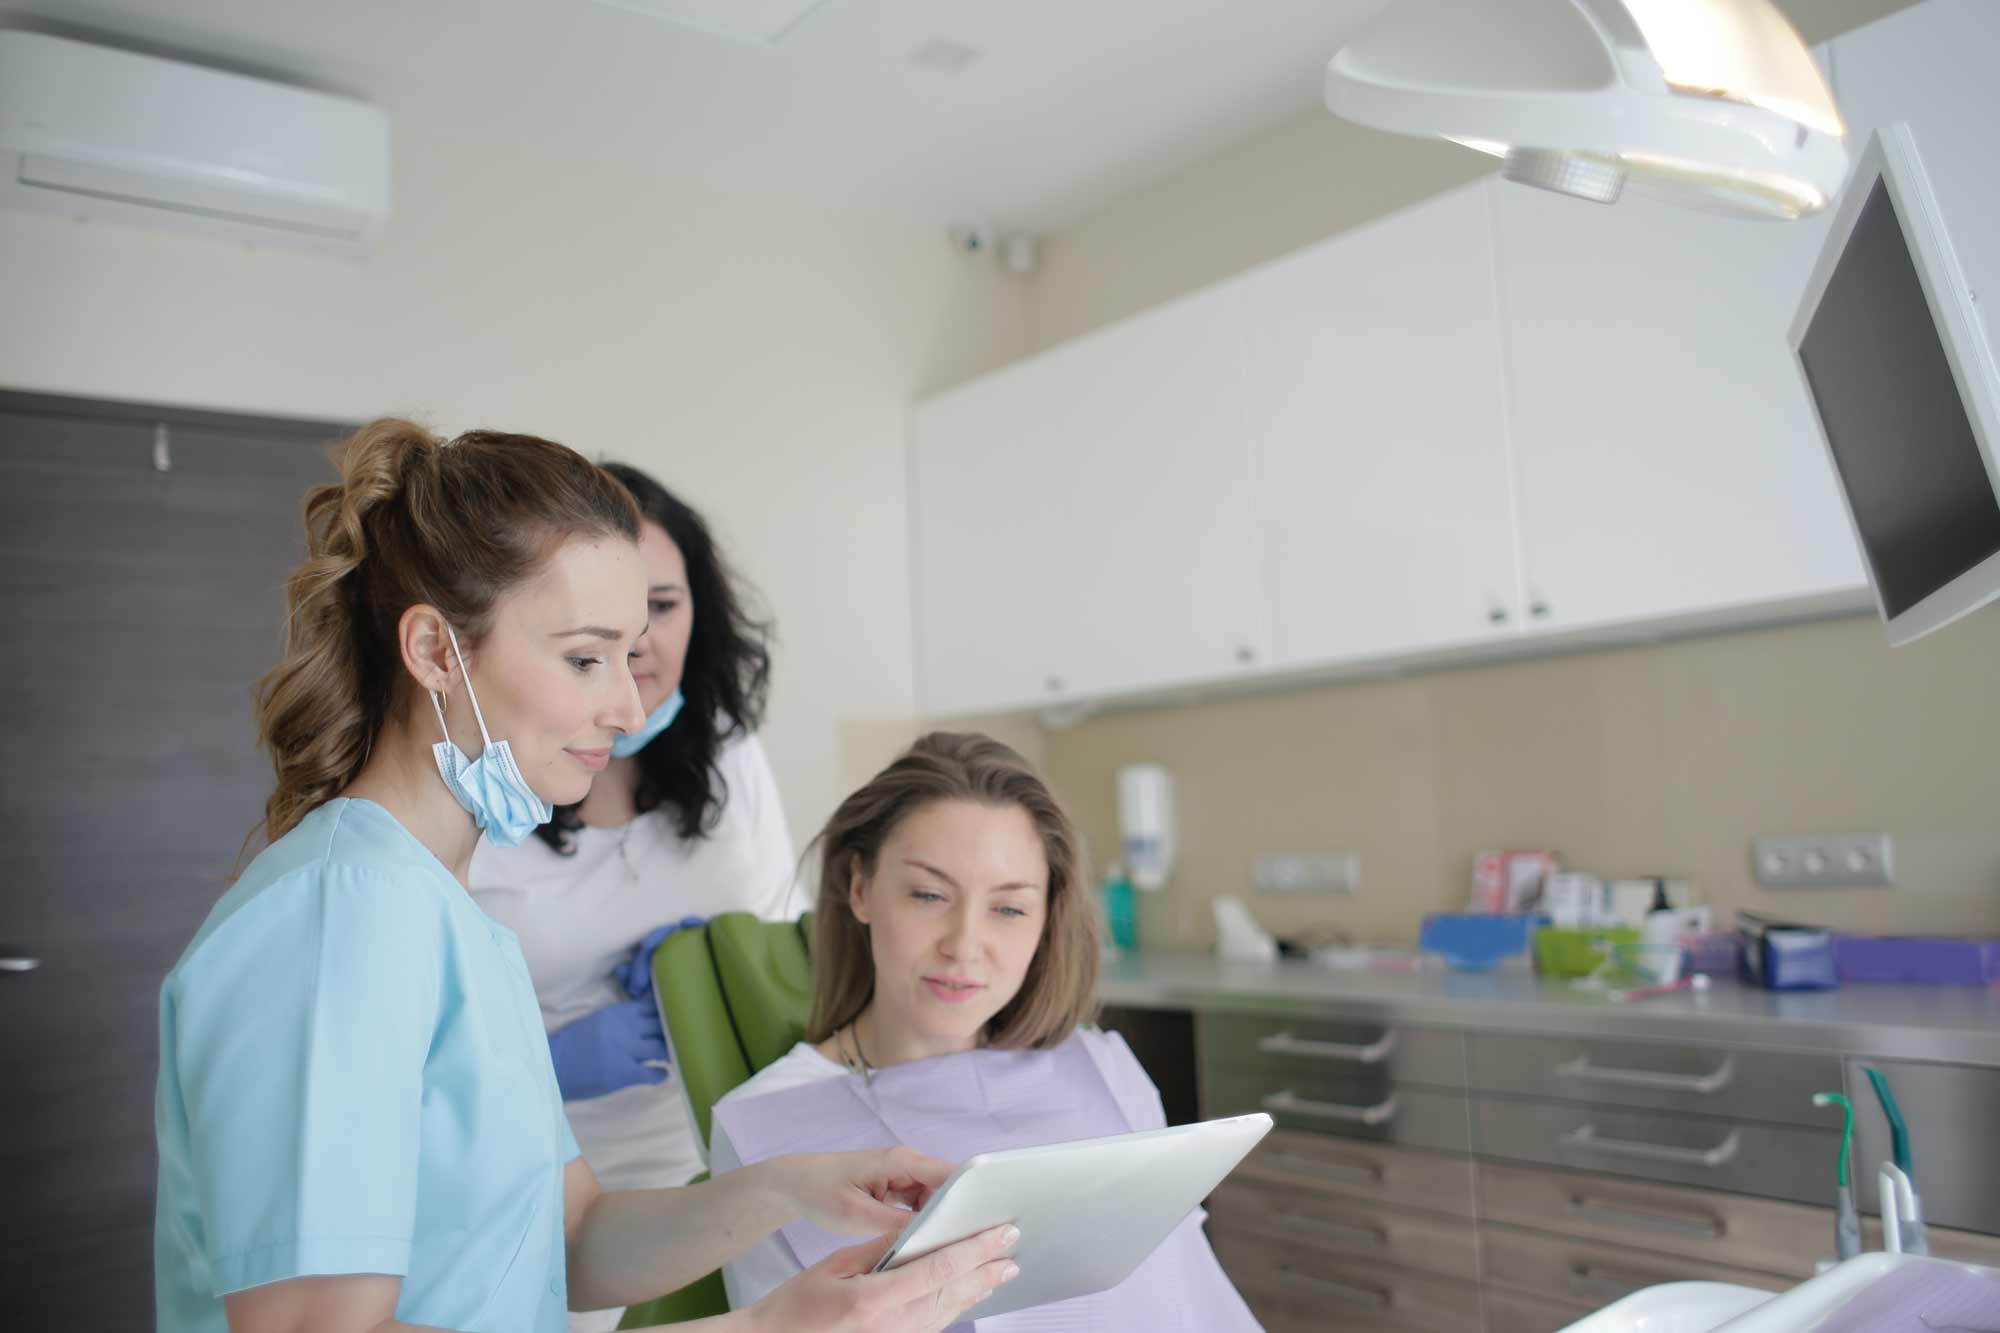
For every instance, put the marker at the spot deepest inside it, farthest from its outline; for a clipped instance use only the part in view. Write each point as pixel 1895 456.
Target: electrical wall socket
pixel 1337 872
pixel 1807 860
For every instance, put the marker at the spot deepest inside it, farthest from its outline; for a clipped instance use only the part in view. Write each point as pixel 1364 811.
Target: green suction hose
pixel 1846 1222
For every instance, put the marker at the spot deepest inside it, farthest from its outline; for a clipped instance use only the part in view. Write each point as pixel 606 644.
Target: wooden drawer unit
pixel 1776 1161
pixel 1592 1275
pixel 1297 1287
pixel 1742 1082
pixel 1953 1112
pixel 1340 1050
pixel 1345 1228
pixel 1372 1172
pixel 1516 1312
pixel 1421 1117
pixel 1734 1229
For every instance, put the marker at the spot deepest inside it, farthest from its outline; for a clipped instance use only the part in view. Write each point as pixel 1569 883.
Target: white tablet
pixel 1090 1211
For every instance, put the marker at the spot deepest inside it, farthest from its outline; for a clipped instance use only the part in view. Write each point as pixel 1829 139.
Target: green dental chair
pixel 734 996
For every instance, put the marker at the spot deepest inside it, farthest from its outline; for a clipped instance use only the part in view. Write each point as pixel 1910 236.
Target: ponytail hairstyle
pixel 725 679
pixel 1060 988
pixel 413 519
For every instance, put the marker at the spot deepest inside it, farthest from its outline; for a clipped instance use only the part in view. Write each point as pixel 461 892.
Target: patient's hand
pixel 859 1193
pixel 841 1293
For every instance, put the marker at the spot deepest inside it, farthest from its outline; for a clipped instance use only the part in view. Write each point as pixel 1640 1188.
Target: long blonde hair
pixel 1060 989
pixel 413 519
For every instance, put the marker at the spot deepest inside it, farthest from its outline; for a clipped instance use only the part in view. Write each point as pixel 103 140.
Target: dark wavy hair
pixel 725 679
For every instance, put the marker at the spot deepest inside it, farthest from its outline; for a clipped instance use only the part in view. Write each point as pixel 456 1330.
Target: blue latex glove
pixel 608 1050
pixel 636 972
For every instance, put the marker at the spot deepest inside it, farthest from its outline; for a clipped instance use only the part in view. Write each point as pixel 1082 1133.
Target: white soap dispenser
pixel 1146 824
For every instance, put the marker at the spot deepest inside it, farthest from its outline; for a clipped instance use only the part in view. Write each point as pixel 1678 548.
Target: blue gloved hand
pixel 608 1050
pixel 636 972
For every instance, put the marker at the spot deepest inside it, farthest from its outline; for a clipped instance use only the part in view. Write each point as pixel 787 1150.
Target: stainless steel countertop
pixel 1955 1024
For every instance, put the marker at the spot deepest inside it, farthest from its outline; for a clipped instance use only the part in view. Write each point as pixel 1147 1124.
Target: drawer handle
pixel 1645 1219
pixel 1360 1173
pixel 1354 1293
pixel 1585 1136
pixel 1348 1233
pixel 1591 1279
pixel 1715 1080
pixel 1374 1053
pixel 1359 1115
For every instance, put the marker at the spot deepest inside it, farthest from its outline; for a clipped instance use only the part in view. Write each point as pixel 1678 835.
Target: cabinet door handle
pixel 1287 1101
pixel 1611 1282
pixel 1374 1053
pixel 1715 1080
pixel 1347 1233
pixel 1645 1219
pixel 1585 1136
pixel 1354 1293
pixel 1359 1173
pixel 17 964
pixel 1497 616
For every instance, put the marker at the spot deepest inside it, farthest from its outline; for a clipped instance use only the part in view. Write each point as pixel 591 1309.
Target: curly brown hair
pixel 414 519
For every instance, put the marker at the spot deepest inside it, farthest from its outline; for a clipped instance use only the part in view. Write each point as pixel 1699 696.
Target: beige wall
pixel 1662 760
pixel 1280 191
pixel 756 351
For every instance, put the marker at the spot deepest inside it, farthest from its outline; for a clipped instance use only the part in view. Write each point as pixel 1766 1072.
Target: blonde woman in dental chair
pixel 955 959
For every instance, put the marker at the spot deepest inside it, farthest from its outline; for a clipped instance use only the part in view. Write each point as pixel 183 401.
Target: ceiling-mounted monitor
pixel 1901 375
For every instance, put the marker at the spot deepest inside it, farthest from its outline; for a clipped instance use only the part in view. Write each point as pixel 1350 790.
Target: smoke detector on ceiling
pixel 751 22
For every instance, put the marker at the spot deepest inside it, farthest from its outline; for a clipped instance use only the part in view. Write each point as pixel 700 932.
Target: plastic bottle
pixel 1660 955
pixel 1120 909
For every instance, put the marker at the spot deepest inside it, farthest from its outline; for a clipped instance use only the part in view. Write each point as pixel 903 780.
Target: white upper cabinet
pixel 1085 519
pixel 1667 456
pixel 1495 415
pixel 1933 68
pixel 1373 368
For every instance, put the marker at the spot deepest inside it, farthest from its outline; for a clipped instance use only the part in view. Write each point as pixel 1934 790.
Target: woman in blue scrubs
pixel 359 1127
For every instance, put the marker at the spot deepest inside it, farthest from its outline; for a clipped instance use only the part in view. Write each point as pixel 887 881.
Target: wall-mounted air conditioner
pixel 94 132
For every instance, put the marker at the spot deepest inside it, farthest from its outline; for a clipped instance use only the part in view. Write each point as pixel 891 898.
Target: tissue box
pixel 1578 953
pixel 1779 956
pixel 1717 953
pixel 1511 881
pixel 1477 941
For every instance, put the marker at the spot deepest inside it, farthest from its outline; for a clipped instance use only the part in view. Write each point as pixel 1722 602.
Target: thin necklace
pixel 625 853
pixel 859 1062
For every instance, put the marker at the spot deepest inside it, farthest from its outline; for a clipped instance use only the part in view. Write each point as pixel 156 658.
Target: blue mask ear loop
pixel 485 738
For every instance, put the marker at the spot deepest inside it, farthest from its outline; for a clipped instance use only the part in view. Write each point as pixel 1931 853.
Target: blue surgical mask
pixel 656 722
pixel 490 787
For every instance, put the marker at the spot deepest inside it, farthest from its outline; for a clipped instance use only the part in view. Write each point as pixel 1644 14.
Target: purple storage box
pixel 1931 960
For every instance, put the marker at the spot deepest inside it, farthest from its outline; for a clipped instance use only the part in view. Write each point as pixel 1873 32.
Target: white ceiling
pixel 1070 103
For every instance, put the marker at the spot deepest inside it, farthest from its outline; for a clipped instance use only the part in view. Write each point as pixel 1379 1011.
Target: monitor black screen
pixel 1899 433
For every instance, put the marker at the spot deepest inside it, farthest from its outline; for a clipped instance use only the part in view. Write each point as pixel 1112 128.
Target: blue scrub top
pixel 354 1079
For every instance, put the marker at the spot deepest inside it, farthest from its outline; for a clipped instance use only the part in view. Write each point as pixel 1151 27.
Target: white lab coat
pixel 578 916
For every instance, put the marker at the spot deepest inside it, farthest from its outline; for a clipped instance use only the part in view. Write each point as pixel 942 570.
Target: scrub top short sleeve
pixel 300 1039
pixel 354 1079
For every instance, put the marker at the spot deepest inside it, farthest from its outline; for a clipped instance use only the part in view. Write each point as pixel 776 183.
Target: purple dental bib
pixel 953 1106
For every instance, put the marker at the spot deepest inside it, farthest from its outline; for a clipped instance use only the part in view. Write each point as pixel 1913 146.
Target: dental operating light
pixel 1713 103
